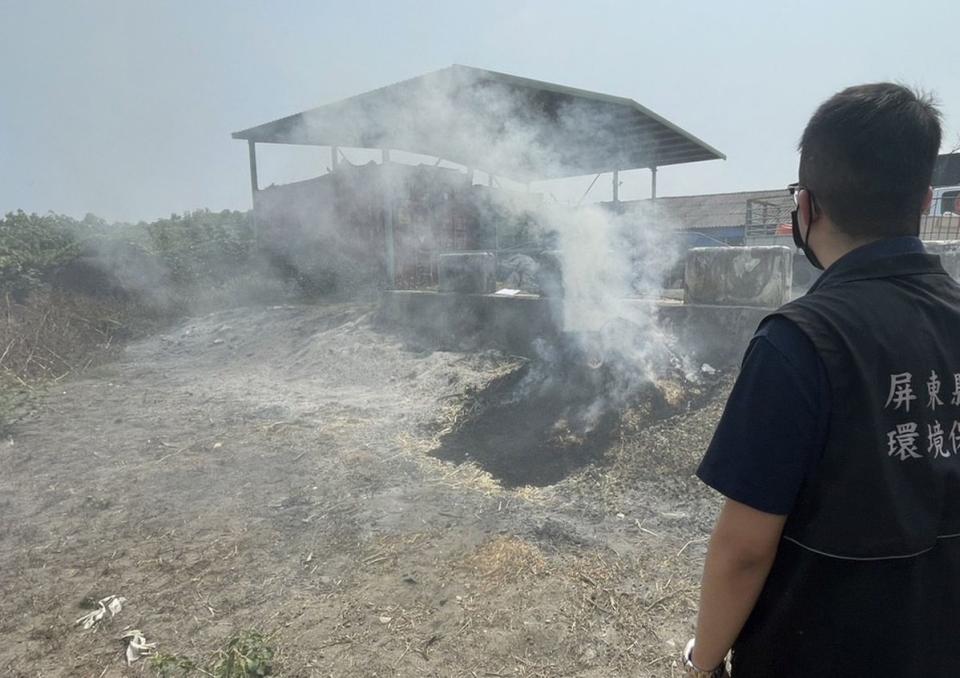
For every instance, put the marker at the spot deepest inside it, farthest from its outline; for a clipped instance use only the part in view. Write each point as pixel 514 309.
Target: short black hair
pixel 867 156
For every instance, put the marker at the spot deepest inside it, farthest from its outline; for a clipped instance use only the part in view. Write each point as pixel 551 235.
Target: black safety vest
pixel 866 581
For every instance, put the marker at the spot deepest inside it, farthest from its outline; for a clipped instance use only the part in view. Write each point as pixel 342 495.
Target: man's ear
pixel 927 200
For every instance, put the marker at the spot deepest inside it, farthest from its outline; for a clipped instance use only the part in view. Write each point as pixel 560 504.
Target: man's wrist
pixel 697 670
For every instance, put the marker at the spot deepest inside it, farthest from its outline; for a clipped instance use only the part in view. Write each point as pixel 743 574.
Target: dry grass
pixel 594 608
pixel 57 334
pixel 505 558
pixel 516 609
pixel 51 337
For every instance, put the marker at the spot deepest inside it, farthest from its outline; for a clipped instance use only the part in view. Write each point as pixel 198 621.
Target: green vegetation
pixel 31 245
pixel 196 248
pixel 246 655
pixel 172 666
pixel 203 247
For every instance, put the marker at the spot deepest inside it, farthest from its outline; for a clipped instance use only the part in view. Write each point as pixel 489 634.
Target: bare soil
pixel 348 492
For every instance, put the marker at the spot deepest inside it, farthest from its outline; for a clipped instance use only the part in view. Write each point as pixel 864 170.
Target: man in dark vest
pixel 837 550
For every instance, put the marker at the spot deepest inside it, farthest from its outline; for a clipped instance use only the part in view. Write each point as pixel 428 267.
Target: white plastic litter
pixel 111 604
pixel 137 645
pixel 506 292
pixel 707 368
pixel 115 605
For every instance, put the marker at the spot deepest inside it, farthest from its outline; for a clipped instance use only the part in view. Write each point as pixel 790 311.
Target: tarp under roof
pixel 718 210
pixel 947 170
pixel 509 126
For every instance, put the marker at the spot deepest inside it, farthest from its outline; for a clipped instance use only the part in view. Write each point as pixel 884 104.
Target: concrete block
pixel 467 272
pixel 804 273
pixel 949 253
pixel 712 334
pixel 741 276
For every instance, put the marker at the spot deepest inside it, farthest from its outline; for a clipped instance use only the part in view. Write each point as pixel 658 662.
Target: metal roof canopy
pixel 503 124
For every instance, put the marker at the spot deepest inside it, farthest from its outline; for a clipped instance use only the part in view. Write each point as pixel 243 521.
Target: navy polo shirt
pixel 774 426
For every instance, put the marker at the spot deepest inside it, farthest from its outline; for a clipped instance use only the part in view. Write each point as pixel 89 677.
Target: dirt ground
pixel 300 471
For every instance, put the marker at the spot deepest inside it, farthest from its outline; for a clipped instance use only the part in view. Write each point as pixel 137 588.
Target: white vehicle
pixel 942 221
pixel 946 200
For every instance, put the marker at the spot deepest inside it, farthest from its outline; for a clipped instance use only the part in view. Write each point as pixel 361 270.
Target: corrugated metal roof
pixel 719 210
pixel 510 126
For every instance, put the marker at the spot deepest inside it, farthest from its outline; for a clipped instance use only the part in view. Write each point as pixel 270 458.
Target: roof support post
pixel 653 182
pixel 388 222
pixel 334 158
pixel 616 185
pixel 254 183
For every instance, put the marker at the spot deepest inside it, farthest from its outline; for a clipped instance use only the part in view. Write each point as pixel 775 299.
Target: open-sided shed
pixel 503 125
pixel 538 130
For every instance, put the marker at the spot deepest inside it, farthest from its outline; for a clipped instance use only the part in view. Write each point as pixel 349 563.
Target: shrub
pixel 179 256
pixel 203 247
pixel 30 246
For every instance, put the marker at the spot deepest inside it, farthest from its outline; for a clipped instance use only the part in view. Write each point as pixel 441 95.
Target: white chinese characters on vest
pixel 903 441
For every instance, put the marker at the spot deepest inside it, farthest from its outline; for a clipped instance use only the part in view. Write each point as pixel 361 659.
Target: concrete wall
pixel 949 253
pixel 735 289
pixel 804 273
pixel 948 250
pixel 471 321
pixel 712 334
pixel 467 272
pixel 739 276
pixel 729 291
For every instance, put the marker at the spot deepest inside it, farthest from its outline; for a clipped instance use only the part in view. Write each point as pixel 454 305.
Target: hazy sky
pixel 124 108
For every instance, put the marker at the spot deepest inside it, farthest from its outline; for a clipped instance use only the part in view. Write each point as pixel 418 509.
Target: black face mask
pixel 798 241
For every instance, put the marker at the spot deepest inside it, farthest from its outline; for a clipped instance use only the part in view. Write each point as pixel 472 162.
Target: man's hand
pixel 742 549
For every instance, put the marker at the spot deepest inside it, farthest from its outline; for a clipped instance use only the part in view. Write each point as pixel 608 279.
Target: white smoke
pixel 609 260
pixel 613 269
